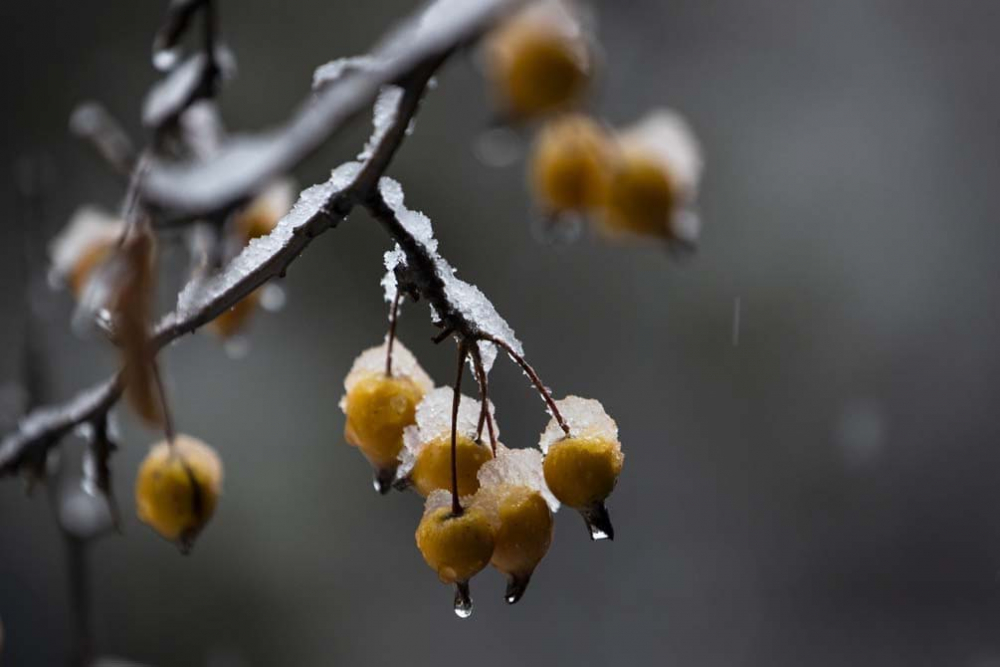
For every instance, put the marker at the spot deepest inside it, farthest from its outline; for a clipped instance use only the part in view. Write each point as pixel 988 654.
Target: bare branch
pixel 246 163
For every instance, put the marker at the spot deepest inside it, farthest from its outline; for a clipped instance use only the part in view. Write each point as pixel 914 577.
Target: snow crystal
pixel 331 71
pixel 372 360
pixel 393 258
pixel 201 291
pixel 517 467
pixel 465 298
pixel 586 419
pixel 89 226
pixel 441 498
pixel 434 421
pixel 669 138
pixel 383 116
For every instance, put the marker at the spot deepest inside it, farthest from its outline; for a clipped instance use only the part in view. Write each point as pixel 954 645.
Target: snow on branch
pixel 248 162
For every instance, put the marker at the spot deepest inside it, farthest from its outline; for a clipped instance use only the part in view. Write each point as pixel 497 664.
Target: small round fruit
pixel 582 472
pixel 378 409
pixel 570 164
pixel 523 536
pixel 641 198
pixel 539 61
pixel 233 320
pixel 178 488
pixel 456 547
pixel 432 469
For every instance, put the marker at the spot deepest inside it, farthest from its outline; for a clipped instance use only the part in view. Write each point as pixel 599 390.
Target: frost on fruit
pixel 586 419
pixel 77 249
pixel 517 467
pixel 464 298
pixel 372 361
pixel 434 422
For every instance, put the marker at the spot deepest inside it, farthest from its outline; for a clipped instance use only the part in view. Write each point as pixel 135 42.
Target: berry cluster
pixel 485 504
pixel 641 180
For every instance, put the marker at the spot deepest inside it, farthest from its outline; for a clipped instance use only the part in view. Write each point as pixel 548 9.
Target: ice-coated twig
pixel 248 162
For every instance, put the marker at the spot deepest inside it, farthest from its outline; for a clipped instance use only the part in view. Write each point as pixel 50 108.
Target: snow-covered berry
pixel 89 238
pixel 570 164
pixel 379 407
pixel 178 488
pixel 539 59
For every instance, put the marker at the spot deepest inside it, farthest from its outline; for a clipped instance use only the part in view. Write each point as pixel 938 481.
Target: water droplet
pixel 598 522
pixel 556 230
pixel 463 600
pixel 382 480
pixel 498 147
pixel 516 586
pixel 272 297
pixel 236 347
pixel 165 59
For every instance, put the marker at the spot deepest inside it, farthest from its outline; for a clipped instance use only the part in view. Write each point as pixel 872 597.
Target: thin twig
pixel 537 381
pixel 456 507
pixel 391 338
pixel 484 412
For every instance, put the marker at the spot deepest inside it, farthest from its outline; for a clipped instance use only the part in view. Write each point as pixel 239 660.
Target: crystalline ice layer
pixel 88 227
pixel 393 258
pixel 434 421
pixel 199 292
pixel 517 467
pixel 586 419
pixel 465 298
pixel 372 360
pixel 668 137
pixel 384 115
pixel 331 71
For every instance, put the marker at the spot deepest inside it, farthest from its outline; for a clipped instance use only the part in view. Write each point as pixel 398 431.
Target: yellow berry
pixel 525 531
pixel 178 488
pixel 570 164
pixel 378 409
pixel 432 469
pixel 581 472
pixel 234 319
pixel 641 197
pixel 456 547
pixel 538 64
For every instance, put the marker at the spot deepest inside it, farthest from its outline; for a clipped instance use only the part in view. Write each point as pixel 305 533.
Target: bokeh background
pixel 824 492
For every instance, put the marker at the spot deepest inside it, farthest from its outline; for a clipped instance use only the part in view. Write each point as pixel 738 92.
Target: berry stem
pixel 168 419
pixel 484 412
pixel 535 380
pixel 393 315
pixel 456 507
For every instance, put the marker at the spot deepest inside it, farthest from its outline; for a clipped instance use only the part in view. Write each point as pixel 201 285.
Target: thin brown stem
pixel 393 315
pixel 168 419
pixel 535 380
pixel 456 507
pixel 484 412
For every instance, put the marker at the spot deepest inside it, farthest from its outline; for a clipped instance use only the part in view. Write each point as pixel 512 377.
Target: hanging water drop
pixel 463 600
pixel 236 347
pixel 165 59
pixel 272 297
pixel 382 480
pixel 516 586
pixel 559 229
pixel 598 522
pixel 498 147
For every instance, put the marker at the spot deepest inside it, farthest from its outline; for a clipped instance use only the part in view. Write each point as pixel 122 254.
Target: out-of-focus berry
pixel 570 164
pixel 539 59
pixel 84 244
pixel 178 488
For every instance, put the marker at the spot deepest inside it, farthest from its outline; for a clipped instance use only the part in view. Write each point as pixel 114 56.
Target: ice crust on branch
pixel 516 467
pixel 434 422
pixel 335 69
pixel 463 298
pixel 200 291
pixel 586 419
pixel 372 362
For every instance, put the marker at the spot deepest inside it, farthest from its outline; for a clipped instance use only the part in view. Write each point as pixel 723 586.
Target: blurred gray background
pixel 823 493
